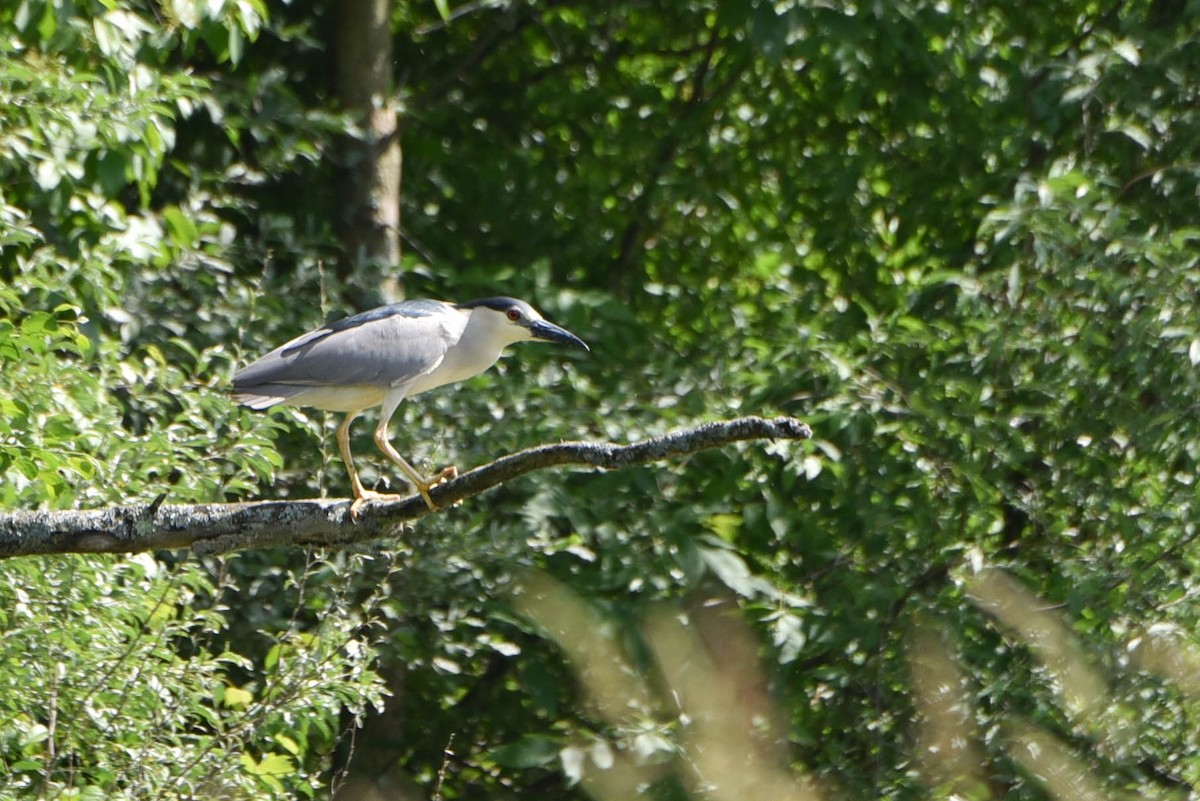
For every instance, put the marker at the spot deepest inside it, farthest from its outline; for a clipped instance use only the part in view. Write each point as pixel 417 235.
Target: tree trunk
pixel 371 162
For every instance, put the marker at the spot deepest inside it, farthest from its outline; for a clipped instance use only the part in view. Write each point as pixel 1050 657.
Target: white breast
pixel 476 349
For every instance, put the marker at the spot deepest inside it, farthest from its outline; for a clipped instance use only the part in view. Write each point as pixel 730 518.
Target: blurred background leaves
pixel 958 240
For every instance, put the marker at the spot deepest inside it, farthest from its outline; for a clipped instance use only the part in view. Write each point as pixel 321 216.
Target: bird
pixel 382 357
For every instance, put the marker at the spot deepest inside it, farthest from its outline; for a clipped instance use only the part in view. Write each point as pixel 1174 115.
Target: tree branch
pixel 220 527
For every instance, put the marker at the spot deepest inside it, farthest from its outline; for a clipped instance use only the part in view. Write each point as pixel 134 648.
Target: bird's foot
pixel 446 474
pixel 369 495
pixel 424 490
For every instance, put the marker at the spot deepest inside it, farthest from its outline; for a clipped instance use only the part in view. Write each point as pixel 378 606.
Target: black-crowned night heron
pixel 381 357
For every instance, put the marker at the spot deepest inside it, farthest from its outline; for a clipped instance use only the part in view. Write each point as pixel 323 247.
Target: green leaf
pixel 237 45
pixel 725 526
pixel 271 764
pixel 289 745
pixel 183 230
pixel 48 24
pixel 272 658
pixel 235 697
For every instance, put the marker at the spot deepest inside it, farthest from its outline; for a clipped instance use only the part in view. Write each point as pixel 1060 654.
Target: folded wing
pixel 367 353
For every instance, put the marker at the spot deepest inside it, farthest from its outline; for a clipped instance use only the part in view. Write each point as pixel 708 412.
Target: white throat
pixel 484 337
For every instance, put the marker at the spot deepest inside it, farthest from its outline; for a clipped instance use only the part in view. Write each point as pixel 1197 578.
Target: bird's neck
pixel 480 346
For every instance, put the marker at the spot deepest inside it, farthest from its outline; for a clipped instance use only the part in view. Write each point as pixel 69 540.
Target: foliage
pixel 119 679
pixel 131 691
pixel 958 240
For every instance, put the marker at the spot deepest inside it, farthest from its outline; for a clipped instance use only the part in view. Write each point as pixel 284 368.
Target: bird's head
pixel 511 320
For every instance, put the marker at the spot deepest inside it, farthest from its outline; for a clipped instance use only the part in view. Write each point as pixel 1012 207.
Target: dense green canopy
pixel 958 239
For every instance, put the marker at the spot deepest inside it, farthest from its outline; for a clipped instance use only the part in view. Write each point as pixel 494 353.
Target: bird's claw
pixel 369 495
pixel 446 474
pixel 366 495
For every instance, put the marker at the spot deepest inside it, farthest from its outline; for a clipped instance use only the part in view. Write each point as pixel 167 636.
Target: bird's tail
pixel 264 396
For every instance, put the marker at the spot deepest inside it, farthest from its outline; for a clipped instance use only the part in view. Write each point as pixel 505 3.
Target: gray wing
pixel 382 348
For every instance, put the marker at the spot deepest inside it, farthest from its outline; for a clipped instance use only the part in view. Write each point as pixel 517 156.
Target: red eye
pixel 514 315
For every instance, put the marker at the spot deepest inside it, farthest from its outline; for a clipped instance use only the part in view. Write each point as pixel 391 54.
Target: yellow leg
pixel 422 484
pixel 361 495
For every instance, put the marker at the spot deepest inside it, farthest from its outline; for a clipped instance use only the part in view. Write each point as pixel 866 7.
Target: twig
pixel 447 755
